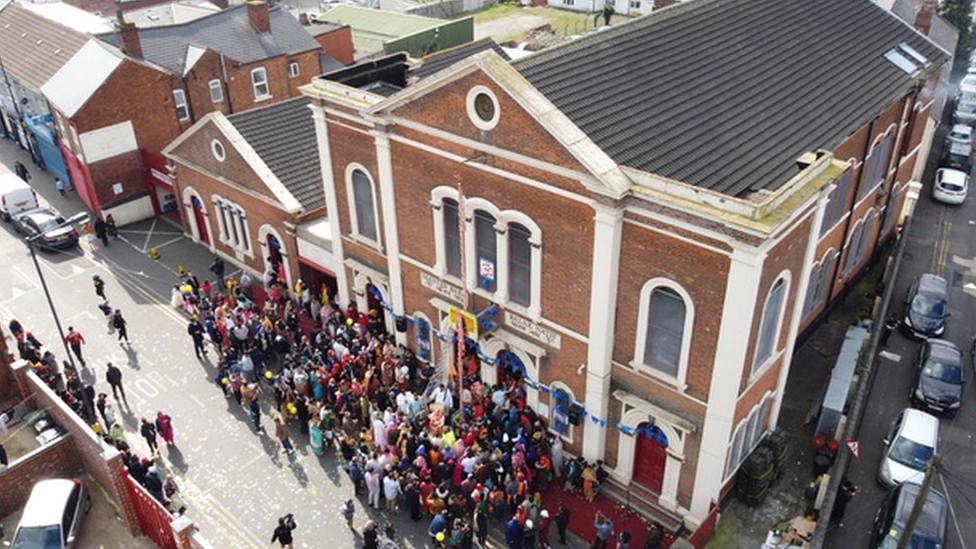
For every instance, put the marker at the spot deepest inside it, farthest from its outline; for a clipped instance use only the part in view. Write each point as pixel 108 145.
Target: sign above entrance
pixel 533 330
pixel 434 283
pixel 470 322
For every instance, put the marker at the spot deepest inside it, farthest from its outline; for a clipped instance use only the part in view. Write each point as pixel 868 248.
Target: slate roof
pixel 283 135
pixel 229 32
pixel 726 94
pixel 440 60
pixel 33 47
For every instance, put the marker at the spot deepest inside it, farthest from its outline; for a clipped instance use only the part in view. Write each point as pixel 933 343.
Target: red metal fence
pixel 154 519
pixel 707 528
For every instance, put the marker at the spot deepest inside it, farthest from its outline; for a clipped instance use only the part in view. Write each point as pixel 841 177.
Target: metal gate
pixel 154 519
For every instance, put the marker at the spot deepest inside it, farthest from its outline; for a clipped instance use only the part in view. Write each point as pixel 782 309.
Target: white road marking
pixel 894 357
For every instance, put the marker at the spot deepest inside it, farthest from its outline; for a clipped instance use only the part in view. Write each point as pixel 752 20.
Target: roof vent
pixel 805 159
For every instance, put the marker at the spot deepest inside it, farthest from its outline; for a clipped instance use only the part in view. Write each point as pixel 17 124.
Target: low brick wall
pixel 58 459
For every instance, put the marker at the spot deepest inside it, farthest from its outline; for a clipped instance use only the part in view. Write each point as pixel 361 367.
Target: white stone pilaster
pixel 608 226
pixel 331 200
pixel 391 235
pixel 738 310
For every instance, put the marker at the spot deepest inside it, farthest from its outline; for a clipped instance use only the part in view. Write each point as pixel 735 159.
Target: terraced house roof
pixel 727 94
pixel 33 47
pixel 283 135
pixel 229 32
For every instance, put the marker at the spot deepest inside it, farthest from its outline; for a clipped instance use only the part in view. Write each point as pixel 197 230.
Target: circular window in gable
pixel 218 150
pixel 482 107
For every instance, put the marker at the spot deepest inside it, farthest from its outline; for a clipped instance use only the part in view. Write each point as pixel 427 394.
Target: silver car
pixel 52 516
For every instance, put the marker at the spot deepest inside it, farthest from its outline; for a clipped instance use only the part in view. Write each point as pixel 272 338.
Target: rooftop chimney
pixel 128 36
pixel 257 12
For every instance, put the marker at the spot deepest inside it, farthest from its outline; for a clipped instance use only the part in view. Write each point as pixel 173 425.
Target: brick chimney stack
pixel 128 36
pixel 222 4
pixel 257 12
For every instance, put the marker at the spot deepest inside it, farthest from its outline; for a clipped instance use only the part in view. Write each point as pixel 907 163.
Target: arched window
pixel 817 287
pixel 452 237
pixel 876 166
pixel 769 329
pixel 561 399
pixel 362 189
pixel 748 435
pixel 665 330
pixel 486 249
pixel 519 264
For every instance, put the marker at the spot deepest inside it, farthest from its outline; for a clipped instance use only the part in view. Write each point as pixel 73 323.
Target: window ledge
pixel 258 99
pixel 648 372
pixel 368 242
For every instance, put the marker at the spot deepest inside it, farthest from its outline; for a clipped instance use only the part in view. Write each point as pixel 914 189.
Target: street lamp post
pixel 77 218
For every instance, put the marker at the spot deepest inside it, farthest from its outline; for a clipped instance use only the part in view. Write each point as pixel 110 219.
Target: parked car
pixel 892 516
pixel 48 223
pixel 940 376
pixel 52 517
pixel 965 112
pixel 960 133
pixel 910 443
pixel 951 186
pixel 926 307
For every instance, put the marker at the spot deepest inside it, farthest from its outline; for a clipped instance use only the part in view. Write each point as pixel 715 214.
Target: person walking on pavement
pixel 101 231
pixel 281 431
pixel 164 426
pixel 110 227
pixel 119 323
pixel 114 378
pixel 195 329
pixel 148 431
pixel 217 268
pixel 282 534
pixel 99 286
pixel 543 527
pixel 100 404
pixel 890 325
pixel 21 171
pixel 562 522
pixel 59 185
pixel 604 530
pixel 348 512
pixel 845 494
pixel 75 340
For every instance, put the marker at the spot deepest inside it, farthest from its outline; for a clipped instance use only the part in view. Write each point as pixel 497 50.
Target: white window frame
pixel 759 362
pixel 890 216
pixel 553 403
pixel 257 84
pixel 294 69
pixel 351 201
pixel 753 427
pixel 437 196
pixel 233 226
pixel 180 104
pixel 216 90
pixel 640 344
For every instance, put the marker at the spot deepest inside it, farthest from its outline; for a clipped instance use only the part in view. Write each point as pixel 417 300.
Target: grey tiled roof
pixel 228 32
pixel 440 60
pixel 283 135
pixel 726 94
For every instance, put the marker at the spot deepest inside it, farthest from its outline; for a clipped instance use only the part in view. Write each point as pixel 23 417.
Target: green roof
pixel 372 29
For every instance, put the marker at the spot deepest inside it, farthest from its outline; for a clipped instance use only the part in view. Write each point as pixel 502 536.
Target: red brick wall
pixel 126 168
pixel 56 460
pixel 282 87
pixel 338 44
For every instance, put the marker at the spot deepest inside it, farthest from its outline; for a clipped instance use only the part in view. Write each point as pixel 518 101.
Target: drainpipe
pixel 225 84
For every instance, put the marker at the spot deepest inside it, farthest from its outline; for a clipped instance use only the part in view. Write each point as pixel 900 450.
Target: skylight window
pixel 913 53
pixel 902 62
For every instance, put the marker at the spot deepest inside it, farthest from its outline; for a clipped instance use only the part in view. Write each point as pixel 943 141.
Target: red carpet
pixel 583 514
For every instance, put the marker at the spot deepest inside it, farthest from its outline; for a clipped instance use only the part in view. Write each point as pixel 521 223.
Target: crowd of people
pixel 458 454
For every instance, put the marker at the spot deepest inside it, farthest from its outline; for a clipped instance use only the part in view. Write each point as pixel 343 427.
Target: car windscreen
pixel 37 537
pixel 952 186
pixel 49 223
pixel 919 541
pixel 949 372
pixel 929 305
pixel 910 453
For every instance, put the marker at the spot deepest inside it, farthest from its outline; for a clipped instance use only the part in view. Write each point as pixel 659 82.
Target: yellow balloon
pixel 440 536
pixel 225 381
pixel 268 375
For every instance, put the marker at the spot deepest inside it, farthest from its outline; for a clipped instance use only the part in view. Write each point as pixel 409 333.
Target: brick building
pixel 655 212
pixel 249 189
pixel 231 61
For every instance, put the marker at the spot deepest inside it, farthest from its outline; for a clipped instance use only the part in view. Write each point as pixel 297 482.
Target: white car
pixel 960 133
pixel 910 443
pixel 965 113
pixel 950 186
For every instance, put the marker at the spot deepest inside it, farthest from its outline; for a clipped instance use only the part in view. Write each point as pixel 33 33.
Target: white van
pixel 52 516
pixel 15 196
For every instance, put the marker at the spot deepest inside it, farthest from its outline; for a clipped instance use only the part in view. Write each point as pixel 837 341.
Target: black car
pixel 926 307
pixel 940 376
pixel 48 223
pixel 890 521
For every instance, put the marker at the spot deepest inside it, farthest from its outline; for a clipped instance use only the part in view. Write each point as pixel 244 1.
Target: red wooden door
pixel 201 223
pixel 649 459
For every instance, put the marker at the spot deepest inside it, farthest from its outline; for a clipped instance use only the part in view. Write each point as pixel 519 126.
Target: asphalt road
pixel 939 241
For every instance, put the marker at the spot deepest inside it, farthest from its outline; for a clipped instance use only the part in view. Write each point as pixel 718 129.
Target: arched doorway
pixel 374 306
pixel 511 369
pixel 275 257
pixel 650 457
pixel 199 219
